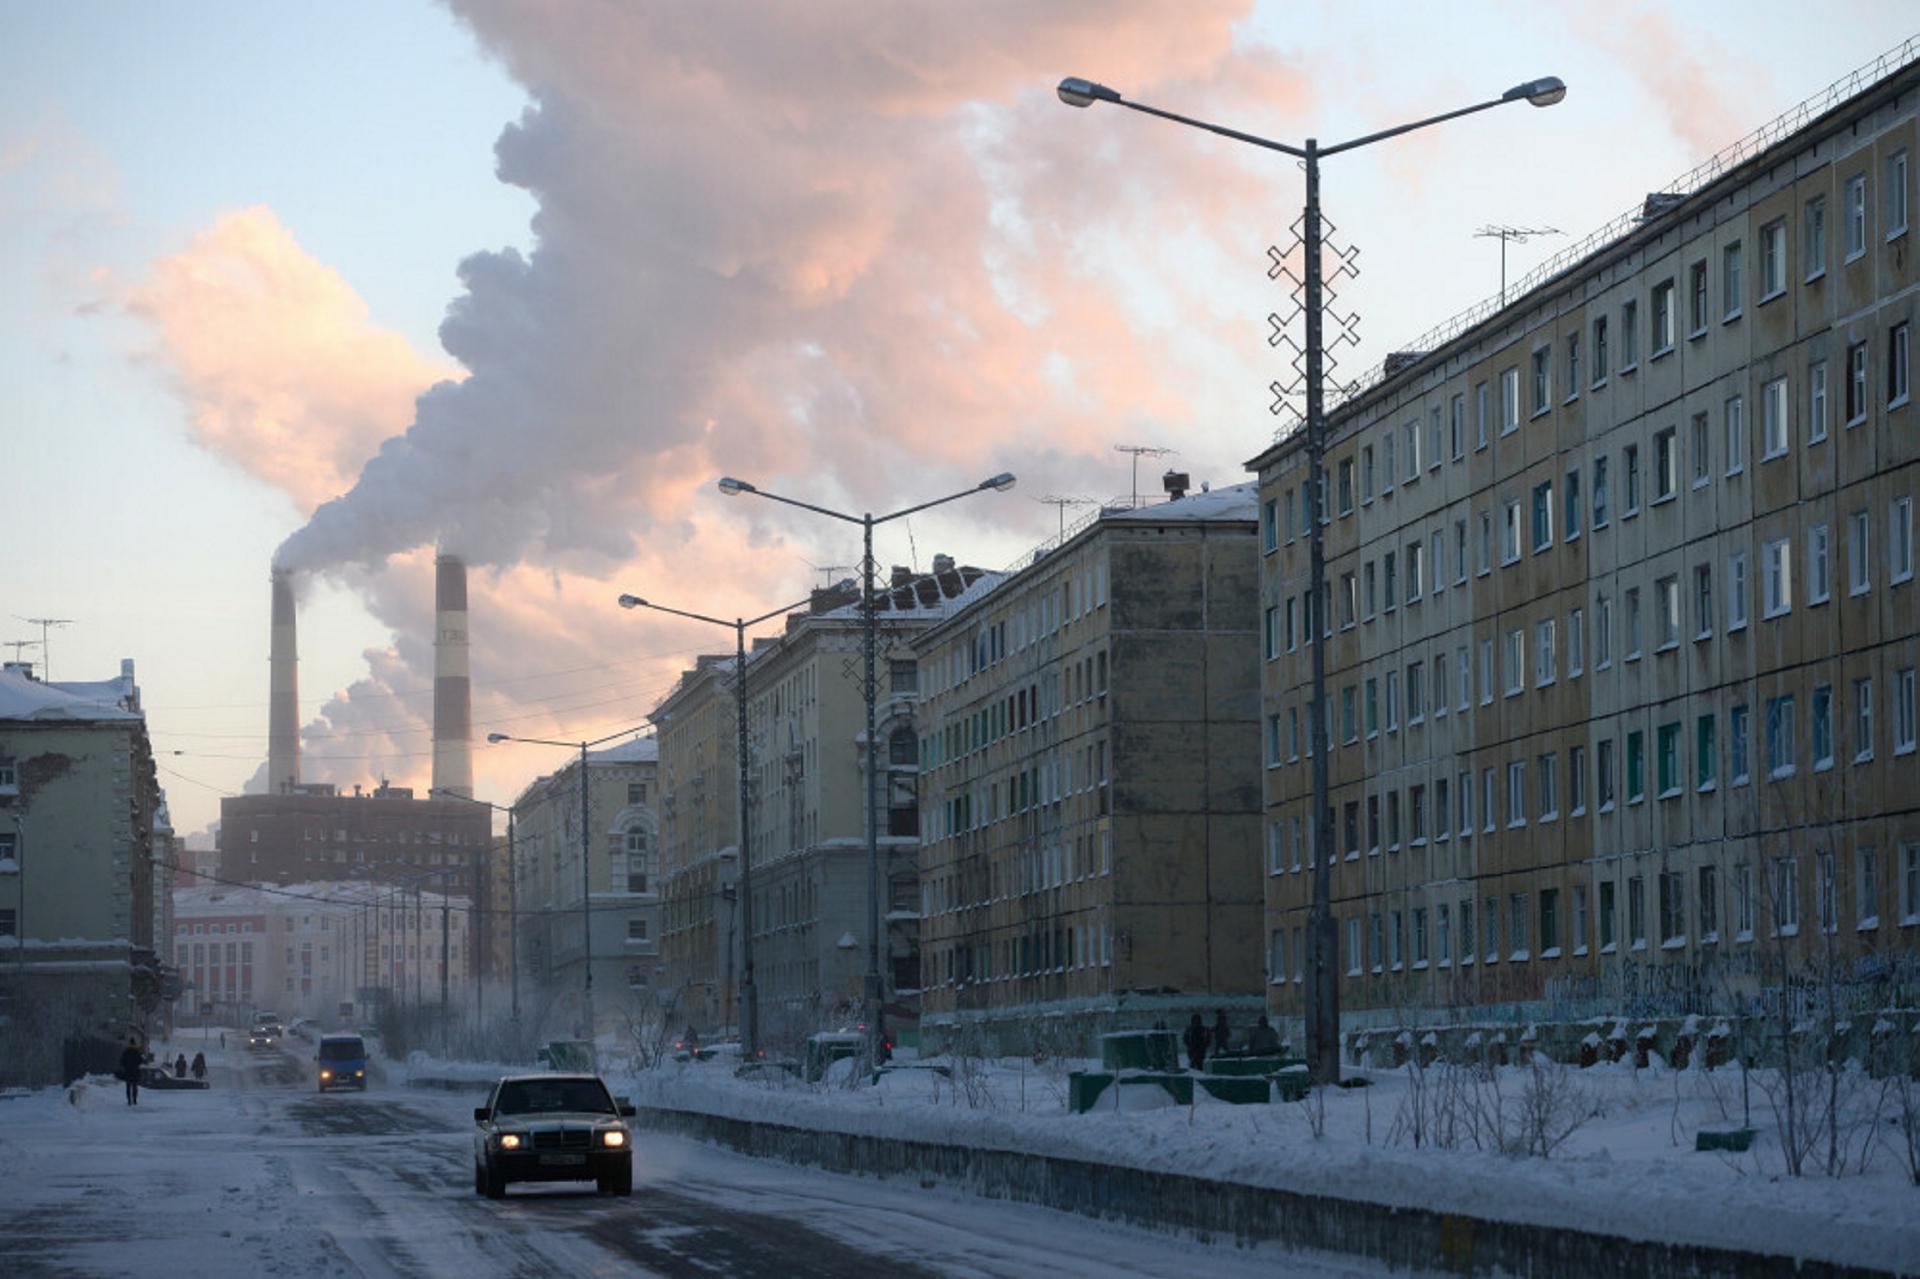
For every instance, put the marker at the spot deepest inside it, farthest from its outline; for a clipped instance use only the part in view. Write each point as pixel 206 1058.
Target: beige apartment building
pixel 610 912
pixel 699 844
pixel 1089 789
pixel 1620 623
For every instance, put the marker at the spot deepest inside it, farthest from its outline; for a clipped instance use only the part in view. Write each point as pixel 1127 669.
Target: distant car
pixel 342 1062
pixel 552 1128
pixel 259 1038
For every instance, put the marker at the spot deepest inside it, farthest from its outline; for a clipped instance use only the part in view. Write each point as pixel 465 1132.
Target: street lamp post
pixel 733 487
pixel 586 854
pixel 513 905
pixel 1323 989
pixel 749 1000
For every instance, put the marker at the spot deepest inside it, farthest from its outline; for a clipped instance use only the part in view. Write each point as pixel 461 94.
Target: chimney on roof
pixel 283 692
pixel 943 564
pixel 1397 360
pixel 900 577
pixel 1659 202
pixel 452 687
pixel 1176 483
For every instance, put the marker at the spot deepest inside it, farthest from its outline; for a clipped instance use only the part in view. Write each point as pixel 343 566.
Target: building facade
pixel 610 912
pixel 79 802
pixel 1089 788
pixel 699 844
pixel 1620 623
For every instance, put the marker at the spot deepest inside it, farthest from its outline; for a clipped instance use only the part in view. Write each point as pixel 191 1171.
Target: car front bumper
pixel 545 1165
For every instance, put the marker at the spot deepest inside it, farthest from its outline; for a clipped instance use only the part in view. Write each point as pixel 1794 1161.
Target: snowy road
pixel 260 1176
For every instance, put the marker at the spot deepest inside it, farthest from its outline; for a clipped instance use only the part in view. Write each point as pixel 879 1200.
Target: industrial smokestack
pixel 452 690
pixel 283 694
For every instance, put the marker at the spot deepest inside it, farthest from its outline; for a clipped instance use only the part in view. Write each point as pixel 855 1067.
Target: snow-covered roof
pixel 638 750
pixel 234 899
pixel 1234 502
pixel 24 698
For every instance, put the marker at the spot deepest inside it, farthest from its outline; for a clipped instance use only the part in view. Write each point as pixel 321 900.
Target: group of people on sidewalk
pixel 1200 1039
pixel 132 1059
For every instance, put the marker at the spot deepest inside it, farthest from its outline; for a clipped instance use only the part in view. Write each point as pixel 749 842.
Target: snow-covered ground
pixel 260 1176
pixel 1628 1168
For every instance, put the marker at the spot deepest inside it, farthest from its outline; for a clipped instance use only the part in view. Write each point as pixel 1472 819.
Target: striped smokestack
pixel 452 693
pixel 283 693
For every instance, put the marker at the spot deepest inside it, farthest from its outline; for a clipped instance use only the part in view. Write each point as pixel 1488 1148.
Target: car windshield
pixel 341 1050
pixel 538 1096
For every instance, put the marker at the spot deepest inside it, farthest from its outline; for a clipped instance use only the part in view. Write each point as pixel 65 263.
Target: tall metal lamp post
pixel 999 483
pixel 586 852
pixel 513 903
pixel 749 1000
pixel 1323 989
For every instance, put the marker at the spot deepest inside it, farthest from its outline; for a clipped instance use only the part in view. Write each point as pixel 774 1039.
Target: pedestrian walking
pixel 130 1070
pixel 1196 1041
pixel 199 1065
pixel 1222 1033
pixel 180 1066
pixel 223 1039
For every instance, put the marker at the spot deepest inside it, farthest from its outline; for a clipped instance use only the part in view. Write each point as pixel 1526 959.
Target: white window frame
pixel 1776 577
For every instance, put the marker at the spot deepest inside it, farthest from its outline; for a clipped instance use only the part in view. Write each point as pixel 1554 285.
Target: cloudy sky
pixel 333 285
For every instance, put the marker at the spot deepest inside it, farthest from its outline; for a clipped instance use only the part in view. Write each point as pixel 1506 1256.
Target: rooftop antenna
pixel 1139 451
pixel 1519 235
pixel 1063 503
pixel 827 573
pixel 46 655
pixel 17 645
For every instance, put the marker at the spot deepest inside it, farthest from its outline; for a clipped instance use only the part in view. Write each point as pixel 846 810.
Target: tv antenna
pixel 17 645
pixel 1062 503
pixel 827 573
pixel 1139 451
pixel 45 623
pixel 1519 235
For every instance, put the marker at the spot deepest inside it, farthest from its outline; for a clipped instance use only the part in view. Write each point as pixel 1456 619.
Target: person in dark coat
pixel 180 1066
pixel 1196 1041
pixel 1222 1033
pixel 199 1065
pixel 1263 1037
pixel 130 1070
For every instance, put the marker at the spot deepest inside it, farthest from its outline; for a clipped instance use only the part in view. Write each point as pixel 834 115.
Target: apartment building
pixel 699 844
pixel 1089 788
pixel 605 915
pixel 1620 617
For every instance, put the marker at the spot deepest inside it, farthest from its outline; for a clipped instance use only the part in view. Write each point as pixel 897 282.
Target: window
pixel 1434 440
pixel 1516 661
pixel 1412 442
pixel 1486 799
pixel 1602 633
pixel 1269 526
pixel 1543 652
pixel 1706 753
pixel 1486 672
pixel 1898 348
pixel 1773 259
pixel 1696 299
pixel 1517 925
pixel 1637 912
pixel 1736 590
pixel 1459 552
pixel 1480 414
pixel 1629 335
pixel 1573 366
pixel 1709 897
pixel 1353 946
pixel 1576 642
pixel 1903 727
pixel 1349 600
pixel 1416 694
pixel 1343 472
pixel 1542 378
pixel 1579 919
pixel 1666 594
pixel 1909 871
pixel 1599 492
pixel 1667 759
pixel 1393 701
pixel 1819 572
pixel 1457 426
pixel 1862 720
pixel 1779 727
pixel 1570 507
pixel 1823 727
pixel 1510 533
pixel 1743 911
pixel 1390 577
pixel 1373 708
pixel 1490 912
pixel 1443 934
pixel 1853 213
pixel 1900 540
pixel 1697 440
pixel 1516 793
pixel 1599 350
pixel 1673 908
pixel 1417 815
pixel 1420 938
pixel 1774 432
pixel 1416 570
pixel 1663 317
pixel 1866 888
pixel 1630 464
pixel 1776 577
pixel 1859 549
pixel 1786 895
pixel 1636 767
pixel 1736 418
pixel 1542 516
pixel 1856 383
pixel 1816 401
pixel 1737 738
pixel 1549 769
pixel 1463 786
pixel 1813 236
pixel 1609 926
pixel 1633 623
pixel 1577 780
pixel 1349 719
pixel 1666 465
pixel 1703 602
pixel 1731 285
pixel 1486 543
pixel 1896 194
pixel 1509 400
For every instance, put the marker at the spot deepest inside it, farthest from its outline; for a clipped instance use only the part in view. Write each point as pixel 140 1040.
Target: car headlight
pixel 613 1137
pixel 359 1074
pixel 326 1074
pixel 509 1141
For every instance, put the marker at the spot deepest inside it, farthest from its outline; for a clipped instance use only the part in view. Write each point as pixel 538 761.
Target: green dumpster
pixel 1085 1088
pixel 1238 1090
pixel 1140 1050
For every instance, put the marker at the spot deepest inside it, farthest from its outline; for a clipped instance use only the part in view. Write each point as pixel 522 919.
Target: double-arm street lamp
pixel 513 905
pixel 749 1001
pixel 586 852
pixel 732 488
pixel 1323 990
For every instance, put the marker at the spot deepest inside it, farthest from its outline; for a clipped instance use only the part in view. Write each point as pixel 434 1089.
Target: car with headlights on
pixel 552 1128
pixel 342 1062
pixel 259 1038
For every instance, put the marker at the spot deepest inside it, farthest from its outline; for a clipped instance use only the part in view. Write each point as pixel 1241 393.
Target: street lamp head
pixel 1076 92
pixel 1543 92
pixel 632 601
pixel 999 483
pixel 732 487
pixel 496 737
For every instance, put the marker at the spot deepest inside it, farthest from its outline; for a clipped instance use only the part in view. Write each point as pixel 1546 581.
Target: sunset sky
pixel 336 283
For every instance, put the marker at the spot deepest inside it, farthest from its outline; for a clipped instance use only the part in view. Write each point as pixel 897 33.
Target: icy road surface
pixel 261 1176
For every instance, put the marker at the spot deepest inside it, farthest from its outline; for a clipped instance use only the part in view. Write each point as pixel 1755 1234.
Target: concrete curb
pixel 1415 1238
